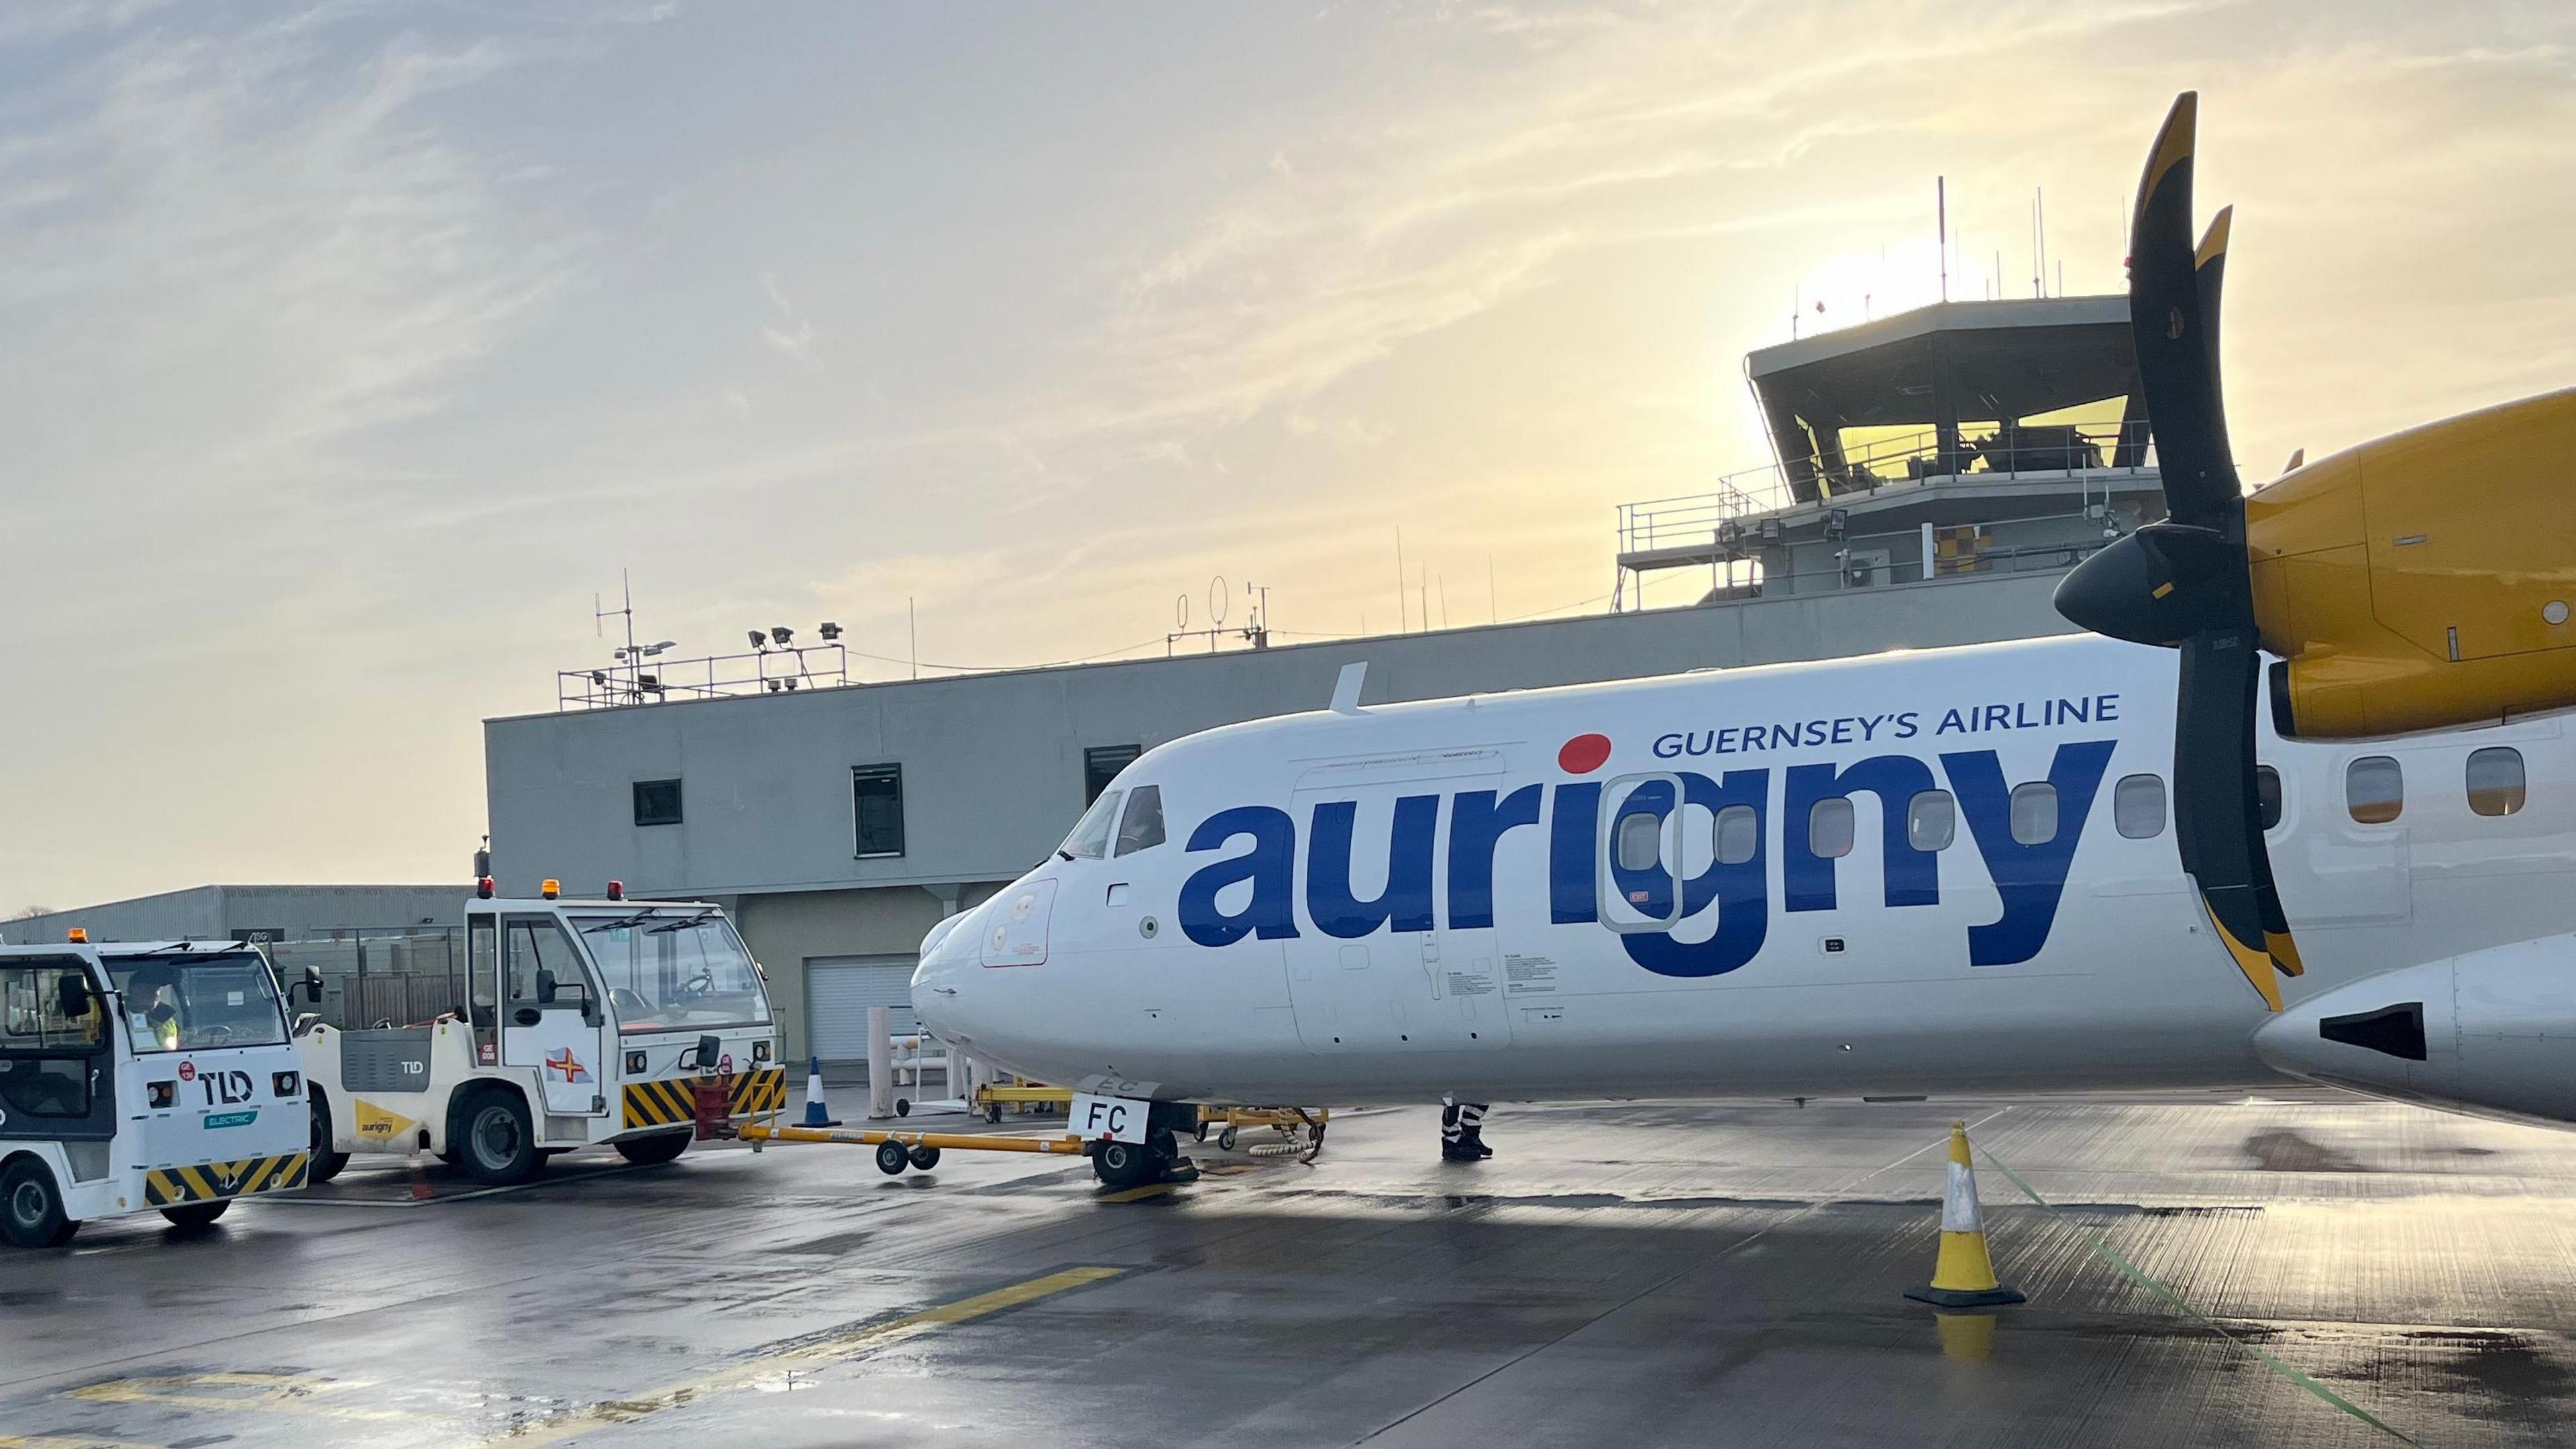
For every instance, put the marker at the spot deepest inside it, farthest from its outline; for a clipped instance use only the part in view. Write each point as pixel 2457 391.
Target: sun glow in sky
pixel 354 348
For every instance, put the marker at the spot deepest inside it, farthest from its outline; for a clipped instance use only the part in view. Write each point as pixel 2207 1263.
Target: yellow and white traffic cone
pixel 1963 1276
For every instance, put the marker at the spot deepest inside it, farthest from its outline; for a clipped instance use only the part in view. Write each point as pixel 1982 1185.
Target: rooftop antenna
pixel 1399 578
pixel 912 627
pixel 1941 210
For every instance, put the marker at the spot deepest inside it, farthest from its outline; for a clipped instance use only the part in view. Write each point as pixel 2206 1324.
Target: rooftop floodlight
pixel 829 630
pixel 781 634
pixel 596 677
pixel 791 685
pixel 1838 523
pixel 658 648
pixel 759 640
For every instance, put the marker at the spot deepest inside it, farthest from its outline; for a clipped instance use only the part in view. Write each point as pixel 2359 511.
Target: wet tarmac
pixel 1639 1274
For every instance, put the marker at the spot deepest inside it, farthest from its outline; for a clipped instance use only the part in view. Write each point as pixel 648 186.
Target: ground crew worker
pixel 1462 1131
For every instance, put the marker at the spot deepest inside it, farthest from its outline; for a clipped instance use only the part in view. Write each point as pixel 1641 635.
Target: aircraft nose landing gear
pixel 1157 1159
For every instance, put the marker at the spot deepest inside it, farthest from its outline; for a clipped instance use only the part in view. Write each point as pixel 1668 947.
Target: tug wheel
pixel 196 1216
pixel 892 1158
pixel 660 1147
pixel 31 1207
pixel 924 1158
pixel 497 1143
pixel 325 1164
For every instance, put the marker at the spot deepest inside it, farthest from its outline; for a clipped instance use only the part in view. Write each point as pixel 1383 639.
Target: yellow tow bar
pixel 898 1150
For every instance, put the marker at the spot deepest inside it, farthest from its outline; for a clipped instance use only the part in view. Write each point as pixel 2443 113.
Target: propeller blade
pixel 2215 822
pixel 2173 296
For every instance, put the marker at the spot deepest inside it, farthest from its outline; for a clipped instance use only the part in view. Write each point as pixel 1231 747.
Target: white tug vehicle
pixel 585 1022
pixel 142 1077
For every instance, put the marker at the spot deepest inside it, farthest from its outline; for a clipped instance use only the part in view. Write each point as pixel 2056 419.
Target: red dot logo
pixel 1583 754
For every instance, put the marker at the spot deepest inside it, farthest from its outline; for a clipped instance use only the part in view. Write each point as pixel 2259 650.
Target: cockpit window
pixel 1090 837
pixel 1142 827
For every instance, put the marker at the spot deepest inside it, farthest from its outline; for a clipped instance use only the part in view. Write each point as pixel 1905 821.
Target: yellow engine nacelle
pixel 2423 580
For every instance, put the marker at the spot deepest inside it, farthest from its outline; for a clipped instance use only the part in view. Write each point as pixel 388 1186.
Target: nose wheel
pixel 1136 1164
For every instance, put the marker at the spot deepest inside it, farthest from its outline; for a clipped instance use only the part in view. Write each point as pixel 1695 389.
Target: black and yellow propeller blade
pixel 2184 583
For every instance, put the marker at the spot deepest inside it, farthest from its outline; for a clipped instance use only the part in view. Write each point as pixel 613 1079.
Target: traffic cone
pixel 815 1115
pixel 1963 1276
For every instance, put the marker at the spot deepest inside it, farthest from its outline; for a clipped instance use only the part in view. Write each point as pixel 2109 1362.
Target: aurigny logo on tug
pixel 2029 878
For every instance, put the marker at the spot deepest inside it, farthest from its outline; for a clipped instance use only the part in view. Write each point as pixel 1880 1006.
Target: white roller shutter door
pixel 838 992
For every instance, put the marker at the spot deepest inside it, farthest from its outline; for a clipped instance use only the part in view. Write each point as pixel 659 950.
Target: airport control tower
pixel 1959 438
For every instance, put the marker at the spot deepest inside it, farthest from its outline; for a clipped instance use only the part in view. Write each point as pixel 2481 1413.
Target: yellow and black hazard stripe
pixel 760 1091
pixel 668 1103
pixel 215 1181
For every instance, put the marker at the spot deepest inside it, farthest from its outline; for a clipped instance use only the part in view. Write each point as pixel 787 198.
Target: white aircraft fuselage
pixel 1477 895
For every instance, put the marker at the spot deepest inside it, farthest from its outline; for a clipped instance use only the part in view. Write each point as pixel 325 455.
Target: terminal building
pixel 1934 474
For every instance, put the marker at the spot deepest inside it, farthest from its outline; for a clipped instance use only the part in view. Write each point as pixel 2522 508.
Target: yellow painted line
pixel 276 1393
pixel 68 1441
pixel 559 1427
pixel 1137 1194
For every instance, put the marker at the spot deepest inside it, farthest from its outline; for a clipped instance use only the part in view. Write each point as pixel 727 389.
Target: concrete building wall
pixel 223 912
pixel 786 929
pixel 993 764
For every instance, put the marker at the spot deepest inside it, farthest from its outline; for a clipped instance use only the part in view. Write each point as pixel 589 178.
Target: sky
pixel 353 349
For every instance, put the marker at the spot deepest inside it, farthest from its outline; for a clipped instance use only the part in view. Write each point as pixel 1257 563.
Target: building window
pixel 2374 789
pixel 1101 764
pixel 2138 806
pixel 2034 813
pixel 876 800
pixel 657 802
pixel 2267 796
pixel 1931 820
pixel 2495 780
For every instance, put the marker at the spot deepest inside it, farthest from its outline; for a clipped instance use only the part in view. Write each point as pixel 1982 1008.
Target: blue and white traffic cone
pixel 815 1114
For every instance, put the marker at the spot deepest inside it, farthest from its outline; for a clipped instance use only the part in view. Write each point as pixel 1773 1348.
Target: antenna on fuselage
pixel 1346 689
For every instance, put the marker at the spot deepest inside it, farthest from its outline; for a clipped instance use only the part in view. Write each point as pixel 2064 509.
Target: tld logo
pixel 2029 875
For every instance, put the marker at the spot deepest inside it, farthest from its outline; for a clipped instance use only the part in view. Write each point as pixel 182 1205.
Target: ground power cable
pixel 2102 1247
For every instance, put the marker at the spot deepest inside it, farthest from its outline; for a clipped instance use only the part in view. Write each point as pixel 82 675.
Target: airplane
pixel 2133 858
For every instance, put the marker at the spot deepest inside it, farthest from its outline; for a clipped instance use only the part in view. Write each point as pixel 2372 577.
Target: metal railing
pixel 783 670
pixel 1909 460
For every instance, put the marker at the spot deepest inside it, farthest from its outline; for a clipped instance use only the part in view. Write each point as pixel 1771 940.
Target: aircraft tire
pixel 1124 1165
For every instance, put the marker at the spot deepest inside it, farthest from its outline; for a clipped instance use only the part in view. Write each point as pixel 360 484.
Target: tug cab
pixel 584 1023
pixel 143 1077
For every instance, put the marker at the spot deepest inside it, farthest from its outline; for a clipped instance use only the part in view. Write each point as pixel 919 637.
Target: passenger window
pixel 2138 806
pixel 2374 789
pixel 1829 827
pixel 2495 781
pixel 1739 834
pixel 1931 820
pixel 2267 796
pixel 1142 826
pixel 2034 813
pixel 1641 841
